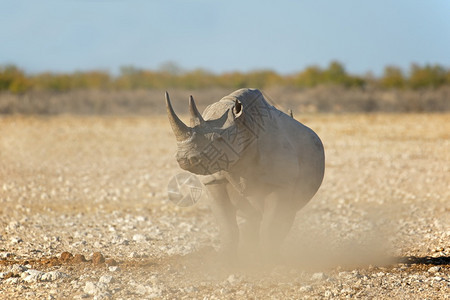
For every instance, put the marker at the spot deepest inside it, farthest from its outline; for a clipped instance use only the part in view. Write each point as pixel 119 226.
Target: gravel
pixel 85 215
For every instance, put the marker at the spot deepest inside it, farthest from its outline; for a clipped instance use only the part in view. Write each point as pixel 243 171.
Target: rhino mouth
pixel 195 165
pixel 188 162
pixel 192 164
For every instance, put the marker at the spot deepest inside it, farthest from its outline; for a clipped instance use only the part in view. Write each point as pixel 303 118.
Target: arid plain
pixel 72 186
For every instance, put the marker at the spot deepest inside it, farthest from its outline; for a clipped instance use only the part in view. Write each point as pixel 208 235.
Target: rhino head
pixel 211 145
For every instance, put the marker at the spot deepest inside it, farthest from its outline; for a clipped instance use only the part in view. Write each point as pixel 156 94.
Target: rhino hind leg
pixel 249 247
pixel 225 214
pixel 279 215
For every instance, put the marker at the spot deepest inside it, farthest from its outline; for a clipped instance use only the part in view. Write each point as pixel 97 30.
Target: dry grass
pixel 333 99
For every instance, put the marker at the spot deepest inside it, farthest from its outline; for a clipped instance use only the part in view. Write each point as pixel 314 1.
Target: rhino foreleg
pixel 225 214
pixel 249 229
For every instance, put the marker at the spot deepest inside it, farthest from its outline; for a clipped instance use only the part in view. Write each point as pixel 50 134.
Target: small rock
pixel 98 258
pixel 32 275
pixel 133 255
pixel 154 292
pixel 232 279
pixel 16 240
pixel 140 289
pixel 114 268
pixel 305 288
pixel 18 269
pixel 13 225
pixel 107 279
pixel 79 258
pixel 6 254
pixel 328 294
pixel 111 262
pixel 346 290
pixel 66 256
pixel 90 288
pixel 434 269
pixel 30 295
pixel 141 218
pixel 11 280
pixel 139 238
pixel 81 296
pixel 345 274
pixel 318 276
pixel 53 275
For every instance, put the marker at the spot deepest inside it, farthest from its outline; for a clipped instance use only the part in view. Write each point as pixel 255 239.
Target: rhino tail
pixel 291 113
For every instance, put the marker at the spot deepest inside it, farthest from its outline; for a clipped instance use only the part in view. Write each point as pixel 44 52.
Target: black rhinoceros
pixel 256 160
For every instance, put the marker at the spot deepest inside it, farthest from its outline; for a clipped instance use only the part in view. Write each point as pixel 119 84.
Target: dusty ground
pixel 74 186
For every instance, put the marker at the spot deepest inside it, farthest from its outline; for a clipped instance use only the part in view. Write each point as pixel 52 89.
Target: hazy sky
pixel 282 35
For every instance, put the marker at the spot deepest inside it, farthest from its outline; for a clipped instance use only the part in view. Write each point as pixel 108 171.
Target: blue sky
pixel 285 36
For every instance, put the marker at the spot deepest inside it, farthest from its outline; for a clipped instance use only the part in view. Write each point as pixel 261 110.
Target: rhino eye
pixel 237 107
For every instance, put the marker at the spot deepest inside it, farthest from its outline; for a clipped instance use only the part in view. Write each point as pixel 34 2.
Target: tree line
pixel 16 80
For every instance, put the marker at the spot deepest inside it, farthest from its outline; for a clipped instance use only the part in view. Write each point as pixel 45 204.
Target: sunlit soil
pixel 99 184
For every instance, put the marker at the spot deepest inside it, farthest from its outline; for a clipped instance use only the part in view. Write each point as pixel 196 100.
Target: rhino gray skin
pixel 255 160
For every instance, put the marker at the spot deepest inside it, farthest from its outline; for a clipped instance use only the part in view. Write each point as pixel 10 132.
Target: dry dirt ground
pixel 84 213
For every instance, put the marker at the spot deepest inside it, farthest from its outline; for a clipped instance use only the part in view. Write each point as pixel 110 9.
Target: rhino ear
pixel 237 108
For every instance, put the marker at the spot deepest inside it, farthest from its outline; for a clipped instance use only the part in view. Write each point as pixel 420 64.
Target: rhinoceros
pixel 255 161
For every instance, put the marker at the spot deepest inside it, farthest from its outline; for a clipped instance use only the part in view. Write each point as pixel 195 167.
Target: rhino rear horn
pixel 181 131
pixel 196 117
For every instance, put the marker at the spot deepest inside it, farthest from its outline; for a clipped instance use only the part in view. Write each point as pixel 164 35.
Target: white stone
pixel 106 279
pixel 139 238
pixel 17 269
pixel 305 288
pixel 32 275
pixel 53 275
pixel 318 276
pixel 12 280
pixel 328 294
pixel 232 279
pixel 114 268
pixel 90 288
pixel 133 255
pixel 434 269
pixel 6 254
pixel 140 289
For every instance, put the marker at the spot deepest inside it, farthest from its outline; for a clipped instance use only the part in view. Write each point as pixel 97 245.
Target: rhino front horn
pixel 182 132
pixel 196 117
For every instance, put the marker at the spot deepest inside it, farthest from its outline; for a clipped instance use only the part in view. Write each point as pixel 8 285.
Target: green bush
pixel 427 76
pixel 14 80
pixel 392 78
